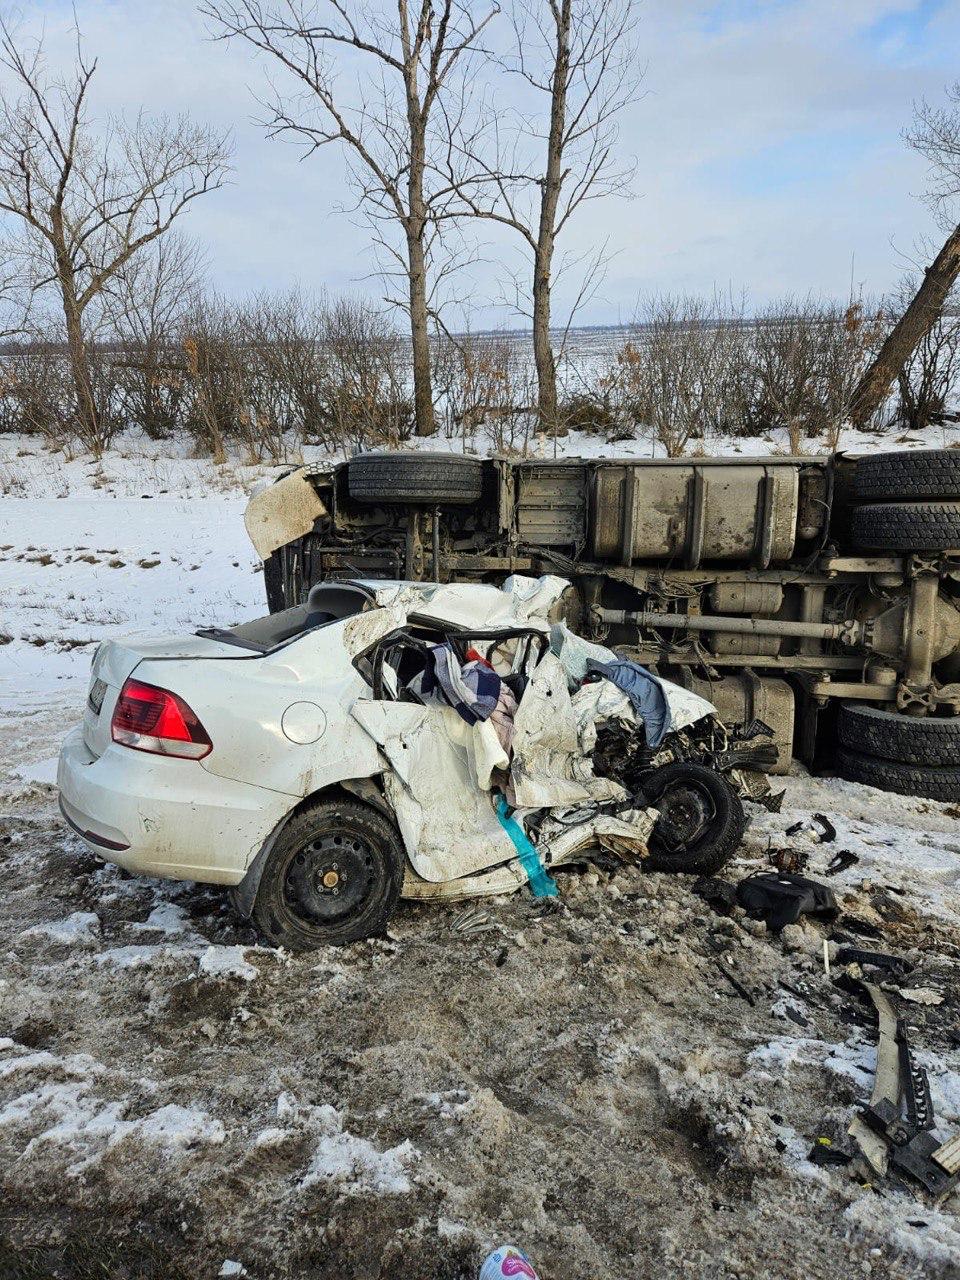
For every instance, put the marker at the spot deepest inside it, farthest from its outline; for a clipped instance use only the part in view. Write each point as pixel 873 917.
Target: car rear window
pixel 269 632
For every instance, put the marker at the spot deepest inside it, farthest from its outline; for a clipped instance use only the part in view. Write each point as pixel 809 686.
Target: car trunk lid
pixel 115 660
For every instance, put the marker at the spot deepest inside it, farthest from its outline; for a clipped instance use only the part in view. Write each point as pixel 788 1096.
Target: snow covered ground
pixel 581 1079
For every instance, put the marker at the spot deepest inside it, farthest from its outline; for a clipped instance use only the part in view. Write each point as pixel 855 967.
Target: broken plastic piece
pixel 817 825
pixel 823 1152
pixel 541 883
pixel 842 859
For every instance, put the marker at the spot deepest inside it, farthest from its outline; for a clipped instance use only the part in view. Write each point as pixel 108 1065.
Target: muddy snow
pixel 581 1079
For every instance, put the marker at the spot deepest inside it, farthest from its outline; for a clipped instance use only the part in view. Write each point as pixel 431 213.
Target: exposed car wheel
pixel 874 731
pixel 906 779
pixel 932 473
pixel 332 877
pixel 907 526
pixel 430 478
pixel 701 819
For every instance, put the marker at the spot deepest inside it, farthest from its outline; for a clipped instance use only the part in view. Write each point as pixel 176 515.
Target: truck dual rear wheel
pixel 907 526
pixel 932 473
pixel 431 478
pixel 915 740
pixel 906 779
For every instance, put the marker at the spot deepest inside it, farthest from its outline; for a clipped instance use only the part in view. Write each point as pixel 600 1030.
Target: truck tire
pixel 907 526
pixel 932 473
pixel 873 731
pixel 273 581
pixel 906 779
pixel 430 478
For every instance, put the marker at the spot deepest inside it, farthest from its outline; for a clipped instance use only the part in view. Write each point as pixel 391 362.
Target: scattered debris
pixel 921 995
pixel 842 859
pixel 735 982
pixel 789 861
pixel 472 921
pixel 823 1152
pixel 817 827
pixel 895 1129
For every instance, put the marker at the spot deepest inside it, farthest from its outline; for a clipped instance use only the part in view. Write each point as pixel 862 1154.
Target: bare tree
pixel 532 172
pixel 935 135
pixel 143 307
pixel 89 200
pixel 391 124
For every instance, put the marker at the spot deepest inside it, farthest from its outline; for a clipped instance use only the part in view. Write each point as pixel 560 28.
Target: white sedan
pixel 299 759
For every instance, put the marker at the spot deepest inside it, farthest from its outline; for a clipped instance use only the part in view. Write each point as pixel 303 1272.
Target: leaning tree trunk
pixel 919 317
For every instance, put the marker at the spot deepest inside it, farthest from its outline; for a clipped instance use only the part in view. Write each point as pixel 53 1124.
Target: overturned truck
pixel 818 595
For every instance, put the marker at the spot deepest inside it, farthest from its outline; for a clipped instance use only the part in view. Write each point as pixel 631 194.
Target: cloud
pixel 767 147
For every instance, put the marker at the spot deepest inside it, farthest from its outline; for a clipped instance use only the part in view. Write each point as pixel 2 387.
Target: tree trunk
pixel 416 225
pixel 910 329
pixel 426 423
pixel 547 407
pixel 88 418
pixel 546 232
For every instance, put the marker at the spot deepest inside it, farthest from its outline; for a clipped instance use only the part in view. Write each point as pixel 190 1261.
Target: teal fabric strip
pixel 542 884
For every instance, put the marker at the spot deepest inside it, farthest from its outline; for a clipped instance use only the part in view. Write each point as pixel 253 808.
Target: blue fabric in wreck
pixel 542 883
pixel 644 691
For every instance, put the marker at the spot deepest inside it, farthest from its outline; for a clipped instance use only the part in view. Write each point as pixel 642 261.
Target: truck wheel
pixel 701 819
pixel 907 526
pixel 874 731
pixel 273 581
pixel 931 473
pixel 905 779
pixel 333 876
pixel 430 478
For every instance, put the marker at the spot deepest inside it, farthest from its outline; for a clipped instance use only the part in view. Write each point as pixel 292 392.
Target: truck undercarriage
pixel 817 595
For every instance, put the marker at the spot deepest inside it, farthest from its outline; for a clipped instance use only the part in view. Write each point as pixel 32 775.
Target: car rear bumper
pixel 163 817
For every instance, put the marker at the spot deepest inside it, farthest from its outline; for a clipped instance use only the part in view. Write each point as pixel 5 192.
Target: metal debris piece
pixel 895 1129
pixel 472 921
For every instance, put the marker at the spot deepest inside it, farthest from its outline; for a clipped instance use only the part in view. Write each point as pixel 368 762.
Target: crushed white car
pixel 390 739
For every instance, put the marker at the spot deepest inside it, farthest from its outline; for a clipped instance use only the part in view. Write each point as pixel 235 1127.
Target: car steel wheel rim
pixel 329 878
pixel 686 811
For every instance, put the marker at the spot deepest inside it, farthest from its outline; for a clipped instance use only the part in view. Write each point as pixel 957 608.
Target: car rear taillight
pixel 151 719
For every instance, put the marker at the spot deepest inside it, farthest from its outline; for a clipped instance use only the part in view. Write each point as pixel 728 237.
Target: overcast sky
pixel 767 142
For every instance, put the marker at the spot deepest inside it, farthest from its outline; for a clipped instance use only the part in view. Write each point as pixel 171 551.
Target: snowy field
pixel 178 1101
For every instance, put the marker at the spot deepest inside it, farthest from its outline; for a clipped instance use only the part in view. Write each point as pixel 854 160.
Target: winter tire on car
pixel 701 820
pixel 333 877
pixel 906 779
pixel 932 473
pixel 431 478
pixel 907 526
pixel 874 731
